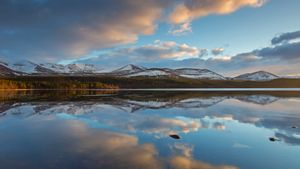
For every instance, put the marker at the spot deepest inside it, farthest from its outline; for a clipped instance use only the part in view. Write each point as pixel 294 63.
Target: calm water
pixel 131 130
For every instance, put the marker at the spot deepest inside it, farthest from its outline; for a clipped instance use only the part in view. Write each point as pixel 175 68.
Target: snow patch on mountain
pixel 3 63
pixel 198 74
pixel 55 67
pixel 72 68
pixel 24 66
pixel 128 69
pixel 150 73
pixel 6 71
pixel 78 68
pixel 257 76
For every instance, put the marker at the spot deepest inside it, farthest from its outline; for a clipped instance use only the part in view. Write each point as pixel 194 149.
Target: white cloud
pixel 157 51
pixel 217 51
pixel 181 29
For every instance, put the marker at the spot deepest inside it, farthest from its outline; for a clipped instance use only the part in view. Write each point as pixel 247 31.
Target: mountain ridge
pixel 130 70
pixel 257 76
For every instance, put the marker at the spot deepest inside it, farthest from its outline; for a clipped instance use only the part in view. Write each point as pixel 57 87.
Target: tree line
pixel 52 83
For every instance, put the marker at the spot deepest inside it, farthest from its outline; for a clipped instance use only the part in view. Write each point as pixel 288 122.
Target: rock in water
pixel 274 139
pixel 175 136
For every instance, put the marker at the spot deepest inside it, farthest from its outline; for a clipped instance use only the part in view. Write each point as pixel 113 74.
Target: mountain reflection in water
pixel 111 129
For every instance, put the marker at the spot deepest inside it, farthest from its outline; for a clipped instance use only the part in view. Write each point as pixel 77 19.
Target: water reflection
pixel 77 146
pixel 110 129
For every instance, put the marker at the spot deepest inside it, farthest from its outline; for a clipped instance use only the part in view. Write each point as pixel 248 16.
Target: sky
pixel 227 36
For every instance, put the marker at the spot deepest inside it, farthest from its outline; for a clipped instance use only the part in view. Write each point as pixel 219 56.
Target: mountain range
pixel 28 68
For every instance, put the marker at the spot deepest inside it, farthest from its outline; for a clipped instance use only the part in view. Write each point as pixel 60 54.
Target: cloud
pixel 181 123
pixel 183 159
pixel 192 9
pixel 289 138
pixel 157 126
pixel 166 50
pixel 151 53
pixel 285 37
pixel 56 29
pixel 123 149
pixel 163 127
pixel 45 30
pixel 284 58
pixel 182 149
pixel 178 30
pixel 89 148
pixel 189 10
pixel 182 162
pixel 217 51
pixel 219 126
pixel 281 59
pixel 286 51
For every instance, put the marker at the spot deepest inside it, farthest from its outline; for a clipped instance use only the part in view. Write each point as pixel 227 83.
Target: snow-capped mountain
pixel 128 69
pixel 198 74
pixel 257 76
pixel 31 68
pixel 28 67
pixel 6 71
pixel 72 68
pixel 135 71
pixel 81 68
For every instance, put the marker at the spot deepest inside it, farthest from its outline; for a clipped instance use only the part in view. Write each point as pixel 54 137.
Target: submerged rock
pixel 274 139
pixel 174 136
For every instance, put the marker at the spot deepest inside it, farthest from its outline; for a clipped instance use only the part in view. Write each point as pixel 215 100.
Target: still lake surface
pixel 149 129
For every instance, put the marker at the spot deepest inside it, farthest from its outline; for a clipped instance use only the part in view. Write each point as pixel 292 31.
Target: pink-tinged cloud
pixel 184 13
pixel 192 9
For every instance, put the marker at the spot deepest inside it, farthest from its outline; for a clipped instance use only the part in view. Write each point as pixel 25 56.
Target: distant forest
pixel 107 82
pixel 52 83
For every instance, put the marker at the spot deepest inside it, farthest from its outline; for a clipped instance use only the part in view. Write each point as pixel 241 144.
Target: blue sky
pixel 244 30
pixel 154 33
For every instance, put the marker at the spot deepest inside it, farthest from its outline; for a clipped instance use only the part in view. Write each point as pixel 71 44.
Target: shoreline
pixel 164 89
